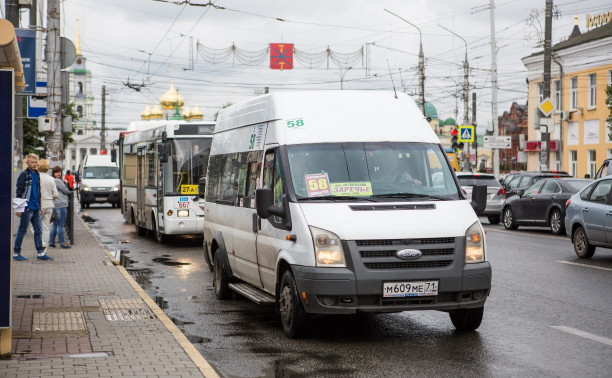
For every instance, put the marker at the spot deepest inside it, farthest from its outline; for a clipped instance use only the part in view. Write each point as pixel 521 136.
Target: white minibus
pixel 337 202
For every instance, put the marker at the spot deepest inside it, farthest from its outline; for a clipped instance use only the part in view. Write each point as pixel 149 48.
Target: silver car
pixel 496 194
pixel 588 218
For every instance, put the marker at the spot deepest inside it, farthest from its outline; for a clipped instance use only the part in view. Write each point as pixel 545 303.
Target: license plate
pixel 410 289
pixel 101 199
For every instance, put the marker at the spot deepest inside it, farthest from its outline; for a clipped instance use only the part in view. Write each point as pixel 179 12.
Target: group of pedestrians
pixel 46 196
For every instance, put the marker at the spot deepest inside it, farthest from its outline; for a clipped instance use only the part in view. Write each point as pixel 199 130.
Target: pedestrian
pixel 69 179
pixel 28 187
pixel 48 193
pixel 61 210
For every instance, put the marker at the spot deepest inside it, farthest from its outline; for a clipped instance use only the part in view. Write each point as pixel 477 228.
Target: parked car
pixel 588 222
pixel 542 204
pixel 495 193
pixel 524 180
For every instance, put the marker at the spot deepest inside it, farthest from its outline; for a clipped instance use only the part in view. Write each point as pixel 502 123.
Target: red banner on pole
pixel 281 56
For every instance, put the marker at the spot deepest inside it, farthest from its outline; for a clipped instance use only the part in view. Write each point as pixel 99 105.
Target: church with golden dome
pixel 171 107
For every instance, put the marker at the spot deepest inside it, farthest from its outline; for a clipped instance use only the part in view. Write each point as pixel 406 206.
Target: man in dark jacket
pixel 28 187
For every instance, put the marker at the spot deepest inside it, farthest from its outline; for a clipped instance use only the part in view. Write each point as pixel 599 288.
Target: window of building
pixel 591 162
pixel 610 77
pixel 83 153
pixel 73 154
pixel 558 94
pixel 93 151
pixel 80 111
pixel 540 92
pixel 80 87
pixel 573 162
pixel 574 93
pixel 592 90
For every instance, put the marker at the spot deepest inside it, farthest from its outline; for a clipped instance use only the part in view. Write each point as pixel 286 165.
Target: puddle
pixel 167 261
pixel 266 350
pixel 144 282
pixel 161 302
pixel 179 322
pixel 88 219
pixel 197 339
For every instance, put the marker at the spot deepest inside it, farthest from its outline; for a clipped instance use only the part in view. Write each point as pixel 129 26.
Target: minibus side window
pixel 273 178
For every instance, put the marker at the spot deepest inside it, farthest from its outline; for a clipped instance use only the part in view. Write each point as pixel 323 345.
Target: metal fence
pixel 69 225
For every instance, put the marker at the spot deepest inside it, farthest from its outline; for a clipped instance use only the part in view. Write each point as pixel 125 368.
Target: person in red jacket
pixel 69 180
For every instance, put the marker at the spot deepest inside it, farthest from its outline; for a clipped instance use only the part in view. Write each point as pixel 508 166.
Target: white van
pixel 98 181
pixel 335 202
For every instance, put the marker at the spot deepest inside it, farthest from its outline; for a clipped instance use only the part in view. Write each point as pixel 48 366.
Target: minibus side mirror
pixel 264 197
pixel 114 156
pixel 479 198
pixel 162 152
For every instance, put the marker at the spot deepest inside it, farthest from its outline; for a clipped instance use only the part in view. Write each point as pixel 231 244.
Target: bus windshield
pixel 101 172
pixel 186 164
pixel 360 170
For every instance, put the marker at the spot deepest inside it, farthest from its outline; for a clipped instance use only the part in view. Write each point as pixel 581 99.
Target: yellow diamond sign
pixel 546 107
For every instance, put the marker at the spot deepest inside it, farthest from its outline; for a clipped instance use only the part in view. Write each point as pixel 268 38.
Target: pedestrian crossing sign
pixel 466 133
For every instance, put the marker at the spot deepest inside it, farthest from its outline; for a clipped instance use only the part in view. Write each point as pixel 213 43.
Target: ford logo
pixel 408 254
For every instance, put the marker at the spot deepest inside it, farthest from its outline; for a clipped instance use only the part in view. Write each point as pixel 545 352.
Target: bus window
pixel 187 164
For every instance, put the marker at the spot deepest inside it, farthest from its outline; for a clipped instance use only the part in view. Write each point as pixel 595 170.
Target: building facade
pixel 513 123
pixel 581 71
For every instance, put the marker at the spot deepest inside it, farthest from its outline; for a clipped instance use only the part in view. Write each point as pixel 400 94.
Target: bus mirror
pixel 162 152
pixel 264 197
pixel 114 156
pixel 479 198
pixel 201 186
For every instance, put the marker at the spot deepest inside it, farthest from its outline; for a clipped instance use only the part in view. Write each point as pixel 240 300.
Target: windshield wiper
pixel 334 198
pixel 409 195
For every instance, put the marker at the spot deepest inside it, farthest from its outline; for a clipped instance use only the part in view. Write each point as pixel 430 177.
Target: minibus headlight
pixel 328 248
pixel 116 188
pixel 85 188
pixel 474 244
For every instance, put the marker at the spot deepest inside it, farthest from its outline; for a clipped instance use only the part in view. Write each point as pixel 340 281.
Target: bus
pixel 162 169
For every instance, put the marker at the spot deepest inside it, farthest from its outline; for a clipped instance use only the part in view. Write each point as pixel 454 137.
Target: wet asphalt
pixel 548 315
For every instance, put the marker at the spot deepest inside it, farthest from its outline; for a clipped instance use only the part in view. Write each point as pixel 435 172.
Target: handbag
pixel 52 216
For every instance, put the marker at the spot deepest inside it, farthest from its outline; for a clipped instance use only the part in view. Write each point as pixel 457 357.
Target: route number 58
pixel 295 123
pixel 320 184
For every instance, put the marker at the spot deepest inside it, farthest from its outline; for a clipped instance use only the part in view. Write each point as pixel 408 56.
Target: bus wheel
pixel 293 317
pixel 159 237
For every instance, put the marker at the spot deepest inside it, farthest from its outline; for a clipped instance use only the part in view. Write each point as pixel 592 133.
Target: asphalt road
pixel 548 315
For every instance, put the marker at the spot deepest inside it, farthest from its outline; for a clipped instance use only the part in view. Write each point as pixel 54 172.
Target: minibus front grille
pixel 429 206
pixel 402 242
pixel 408 264
pixel 391 253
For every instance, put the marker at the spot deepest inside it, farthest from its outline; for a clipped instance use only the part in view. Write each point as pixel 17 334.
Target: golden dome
pixel 186 113
pixel 157 113
pixel 196 114
pixel 171 98
pixel 146 114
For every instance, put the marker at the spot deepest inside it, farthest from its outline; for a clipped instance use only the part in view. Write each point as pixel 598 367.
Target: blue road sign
pixel 26 40
pixel 37 106
pixel 466 133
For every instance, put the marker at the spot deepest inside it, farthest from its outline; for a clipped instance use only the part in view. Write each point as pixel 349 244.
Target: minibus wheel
pixel 220 281
pixel 467 319
pixel 293 317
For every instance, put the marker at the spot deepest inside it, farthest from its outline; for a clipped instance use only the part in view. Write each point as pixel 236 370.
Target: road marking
pixel 587 335
pixel 585 265
pixel 534 234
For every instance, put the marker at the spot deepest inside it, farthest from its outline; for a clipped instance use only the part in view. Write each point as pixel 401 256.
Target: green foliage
pixel 609 103
pixel 34 141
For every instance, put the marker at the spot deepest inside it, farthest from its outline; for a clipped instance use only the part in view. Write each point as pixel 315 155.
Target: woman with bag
pixel 61 210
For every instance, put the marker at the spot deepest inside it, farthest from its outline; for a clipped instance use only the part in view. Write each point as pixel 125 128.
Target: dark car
pixel 589 218
pixel 542 204
pixel 524 180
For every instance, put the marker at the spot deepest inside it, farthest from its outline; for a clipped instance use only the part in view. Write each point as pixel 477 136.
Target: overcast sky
pixel 155 43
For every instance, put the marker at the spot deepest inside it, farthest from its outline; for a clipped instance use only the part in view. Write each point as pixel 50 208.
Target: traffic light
pixel 454 144
pixel 103 152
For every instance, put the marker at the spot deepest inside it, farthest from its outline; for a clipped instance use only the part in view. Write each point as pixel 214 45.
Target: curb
pixel 205 368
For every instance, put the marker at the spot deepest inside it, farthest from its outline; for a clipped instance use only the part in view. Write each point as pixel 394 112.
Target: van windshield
pixel 101 172
pixel 382 169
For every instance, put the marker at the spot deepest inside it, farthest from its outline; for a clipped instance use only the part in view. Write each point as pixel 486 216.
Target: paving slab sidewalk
pixel 83 315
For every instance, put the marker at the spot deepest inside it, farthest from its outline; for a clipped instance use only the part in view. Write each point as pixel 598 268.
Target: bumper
pixel 183 226
pixel 493 208
pixel 91 196
pixel 336 290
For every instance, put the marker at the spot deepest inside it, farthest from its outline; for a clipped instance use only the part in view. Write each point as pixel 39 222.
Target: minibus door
pixel 271 237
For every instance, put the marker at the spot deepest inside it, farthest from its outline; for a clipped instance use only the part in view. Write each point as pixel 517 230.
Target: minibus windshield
pixel 400 170
pixel 101 172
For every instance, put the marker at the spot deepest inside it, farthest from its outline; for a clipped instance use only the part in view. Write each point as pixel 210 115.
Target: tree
pixel 34 141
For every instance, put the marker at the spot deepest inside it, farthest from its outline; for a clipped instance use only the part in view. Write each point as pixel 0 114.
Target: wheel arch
pixel 217 245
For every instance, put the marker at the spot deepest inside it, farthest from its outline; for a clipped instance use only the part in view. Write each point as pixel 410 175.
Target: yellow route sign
pixel 189 189
pixel 546 107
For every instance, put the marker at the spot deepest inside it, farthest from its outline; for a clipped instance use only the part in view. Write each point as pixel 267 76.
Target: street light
pixel 465 77
pixel 342 76
pixel 421 64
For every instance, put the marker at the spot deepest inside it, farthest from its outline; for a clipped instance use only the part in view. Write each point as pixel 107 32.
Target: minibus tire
pixel 293 317
pixel 220 279
pixel 467 319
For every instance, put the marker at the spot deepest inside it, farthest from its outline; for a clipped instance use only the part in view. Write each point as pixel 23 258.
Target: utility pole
pixel 545 137
pixel 494 87
pixel 11 9
pixel 103 131
pixel 421 65
pixel 475 134
pixel 54 84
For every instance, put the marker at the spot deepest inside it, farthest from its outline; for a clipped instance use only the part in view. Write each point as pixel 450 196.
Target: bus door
pixel 161 177
pixel 140 193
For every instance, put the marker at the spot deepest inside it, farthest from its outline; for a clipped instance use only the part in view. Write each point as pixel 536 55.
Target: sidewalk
pixel 83 315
